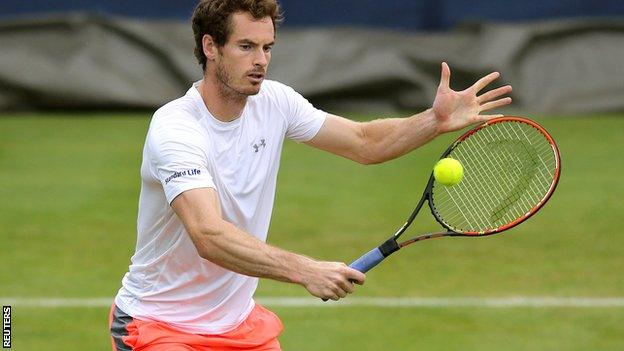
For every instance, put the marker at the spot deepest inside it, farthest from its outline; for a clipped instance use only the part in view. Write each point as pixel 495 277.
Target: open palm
pixel 457 109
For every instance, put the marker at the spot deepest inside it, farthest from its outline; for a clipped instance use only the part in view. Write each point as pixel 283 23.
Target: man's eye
pixel 245 47
pixel 268 49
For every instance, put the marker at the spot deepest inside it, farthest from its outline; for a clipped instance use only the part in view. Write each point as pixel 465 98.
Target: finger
pixel 331 296
pixel 485 118
pixel 335 292
pixel 494 104
pixel 341 293
pixel 493 94
pixel 483 82
pixel 445 76
pixel 356 276
pixel 347 286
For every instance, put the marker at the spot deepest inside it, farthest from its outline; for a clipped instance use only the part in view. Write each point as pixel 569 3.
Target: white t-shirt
pixel 187 148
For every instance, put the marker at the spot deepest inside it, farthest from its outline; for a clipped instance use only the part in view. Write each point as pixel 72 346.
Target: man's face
pixel 242 62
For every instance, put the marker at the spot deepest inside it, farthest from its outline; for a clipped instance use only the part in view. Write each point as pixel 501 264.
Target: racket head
pixel 511 169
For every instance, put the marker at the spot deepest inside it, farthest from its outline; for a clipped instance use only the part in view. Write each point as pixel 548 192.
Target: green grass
pixel 67 229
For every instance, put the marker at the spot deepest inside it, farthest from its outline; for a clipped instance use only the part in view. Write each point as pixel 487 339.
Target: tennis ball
pixel 448 171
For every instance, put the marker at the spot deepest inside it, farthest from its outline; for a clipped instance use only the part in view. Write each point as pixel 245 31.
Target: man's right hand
pixel 226 245
pixel 330 280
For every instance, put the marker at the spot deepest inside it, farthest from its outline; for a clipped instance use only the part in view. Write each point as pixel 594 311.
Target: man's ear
pixel 209 47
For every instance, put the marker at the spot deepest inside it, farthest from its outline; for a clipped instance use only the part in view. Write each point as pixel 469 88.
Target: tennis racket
pixel 511 169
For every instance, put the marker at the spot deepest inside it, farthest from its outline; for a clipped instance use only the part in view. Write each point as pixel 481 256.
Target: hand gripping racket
pixel 511 168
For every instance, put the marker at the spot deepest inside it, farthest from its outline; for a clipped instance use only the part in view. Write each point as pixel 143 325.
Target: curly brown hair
pixel 214 17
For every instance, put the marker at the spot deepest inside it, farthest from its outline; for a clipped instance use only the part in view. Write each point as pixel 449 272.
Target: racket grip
pixel 368 260
pixel 374 256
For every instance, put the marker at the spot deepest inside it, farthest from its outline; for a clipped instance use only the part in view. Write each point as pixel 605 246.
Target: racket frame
pixel 373 257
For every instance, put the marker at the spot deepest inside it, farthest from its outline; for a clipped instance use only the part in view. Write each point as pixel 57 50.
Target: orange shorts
pixel 258 332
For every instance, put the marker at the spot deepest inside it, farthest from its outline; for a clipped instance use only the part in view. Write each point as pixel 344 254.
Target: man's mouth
pixel 256 76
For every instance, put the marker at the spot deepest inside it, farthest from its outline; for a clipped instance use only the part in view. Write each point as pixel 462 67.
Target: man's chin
pixel 254 89
pixel 240 90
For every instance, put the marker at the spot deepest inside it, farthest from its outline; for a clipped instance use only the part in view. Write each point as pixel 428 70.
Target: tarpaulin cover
pixel 86 61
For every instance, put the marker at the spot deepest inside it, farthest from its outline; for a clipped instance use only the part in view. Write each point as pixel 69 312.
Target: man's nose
pixel 261 58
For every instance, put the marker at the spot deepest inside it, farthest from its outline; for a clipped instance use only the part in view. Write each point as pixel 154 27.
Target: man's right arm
pixel 222 243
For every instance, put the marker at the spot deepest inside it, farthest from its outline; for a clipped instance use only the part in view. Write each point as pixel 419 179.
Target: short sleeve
pixel 178 157
pixel 303 119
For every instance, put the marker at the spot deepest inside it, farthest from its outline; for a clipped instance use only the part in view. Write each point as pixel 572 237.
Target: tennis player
pixel 208 176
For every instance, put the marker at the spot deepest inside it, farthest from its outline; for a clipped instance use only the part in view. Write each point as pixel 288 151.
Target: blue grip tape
pixel 368 260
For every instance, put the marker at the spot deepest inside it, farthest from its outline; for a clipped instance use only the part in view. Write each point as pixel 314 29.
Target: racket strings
pixel 521 169
pixel 509 168
pixel 523 166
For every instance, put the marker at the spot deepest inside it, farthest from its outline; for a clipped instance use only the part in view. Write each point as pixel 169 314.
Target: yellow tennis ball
pixel 448 171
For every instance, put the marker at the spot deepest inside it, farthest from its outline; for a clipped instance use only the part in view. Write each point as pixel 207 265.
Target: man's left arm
pixel 385 139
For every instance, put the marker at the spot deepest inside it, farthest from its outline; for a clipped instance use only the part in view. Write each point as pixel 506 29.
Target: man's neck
pixel 224 105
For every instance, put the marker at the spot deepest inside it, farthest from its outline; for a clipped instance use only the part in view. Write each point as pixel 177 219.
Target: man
pixel 208 183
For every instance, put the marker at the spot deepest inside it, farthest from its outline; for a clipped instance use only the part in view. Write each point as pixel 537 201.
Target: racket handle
pixel 368 260
pixel 374 256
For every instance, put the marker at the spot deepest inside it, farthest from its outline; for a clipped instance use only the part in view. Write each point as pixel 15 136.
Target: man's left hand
pixel 455 110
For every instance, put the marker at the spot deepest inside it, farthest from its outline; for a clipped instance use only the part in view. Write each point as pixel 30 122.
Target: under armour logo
pixel 257 146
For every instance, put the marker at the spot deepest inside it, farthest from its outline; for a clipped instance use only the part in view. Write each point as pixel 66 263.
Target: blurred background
pixel 561 56
pixel 79 81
